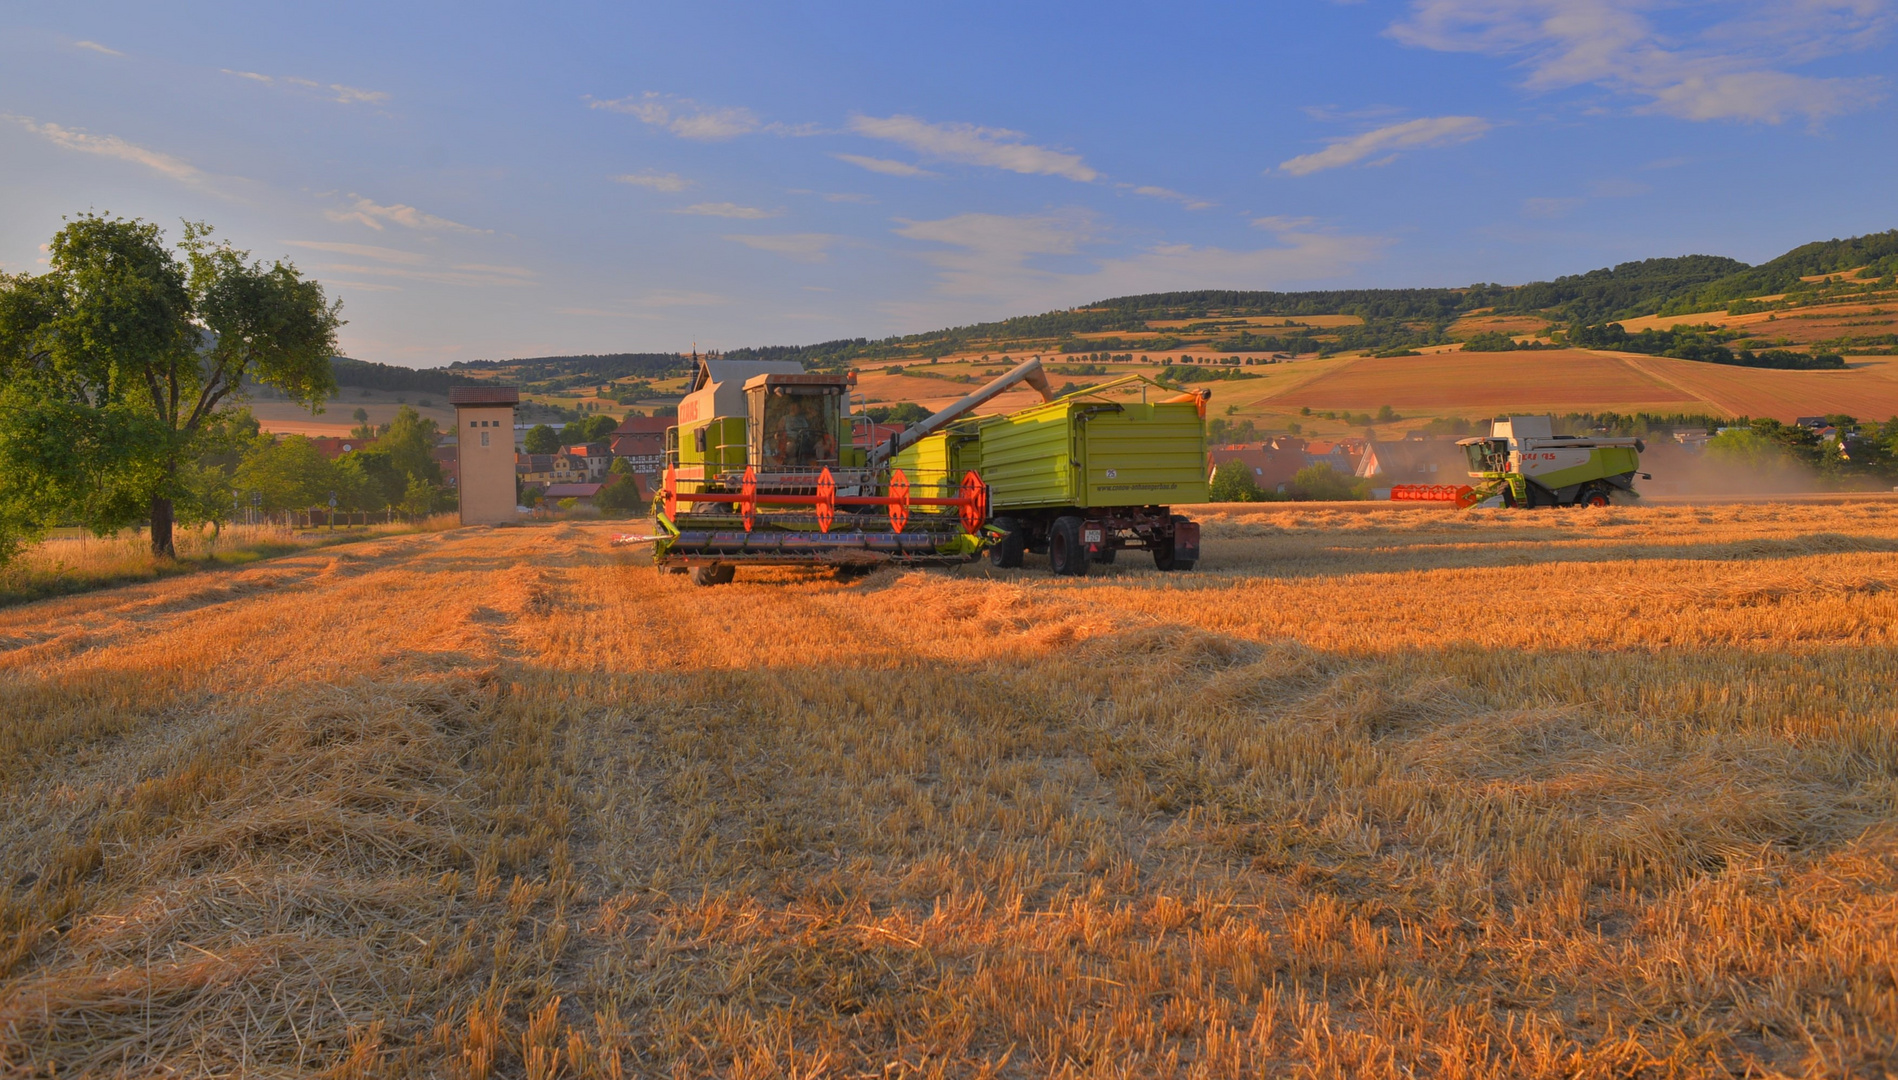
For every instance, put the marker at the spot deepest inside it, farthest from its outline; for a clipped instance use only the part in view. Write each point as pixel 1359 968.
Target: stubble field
pixel 1376 792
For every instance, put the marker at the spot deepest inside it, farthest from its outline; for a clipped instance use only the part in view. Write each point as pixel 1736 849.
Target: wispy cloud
pixel 657 181
pixel 471 274
pixel 1409 135
pixel 337 92
pixel 1276 223
pixel 684 117
pixel 682 298
pixel 832 196
pixel 96 47
pixel 376 216
pixel 362 251
pixel 1731 69
pixel 1550 207
pixel 1169 195
pixel 114 147
pixel 727 210
pixel 883 165
pixel 968 144
pixel 798 247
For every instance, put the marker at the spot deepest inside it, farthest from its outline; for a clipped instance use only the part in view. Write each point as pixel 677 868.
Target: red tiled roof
pixel 572 491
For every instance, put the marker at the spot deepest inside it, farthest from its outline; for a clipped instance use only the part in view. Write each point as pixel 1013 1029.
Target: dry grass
pixel 1376 793
pixel 75 561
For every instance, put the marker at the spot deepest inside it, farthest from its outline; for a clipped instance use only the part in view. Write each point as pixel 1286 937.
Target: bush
pixel 1322 483
pixel 1232 482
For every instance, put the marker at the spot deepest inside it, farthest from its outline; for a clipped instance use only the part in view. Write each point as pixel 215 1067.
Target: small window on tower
pixel 484 438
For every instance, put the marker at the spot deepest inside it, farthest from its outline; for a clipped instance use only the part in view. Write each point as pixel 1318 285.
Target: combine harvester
pixel 1524 463
pixel 1085 476
pixel 768 467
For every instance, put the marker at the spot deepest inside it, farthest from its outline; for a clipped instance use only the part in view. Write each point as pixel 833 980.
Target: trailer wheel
pixel 1163 559
pixel 715 574
pixel 1067 556
pixel 1007 552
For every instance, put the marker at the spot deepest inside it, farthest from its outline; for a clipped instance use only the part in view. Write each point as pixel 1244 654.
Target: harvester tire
pixel 1594 497
pixel 1067 556
pixel 715 574
pixel 1007 552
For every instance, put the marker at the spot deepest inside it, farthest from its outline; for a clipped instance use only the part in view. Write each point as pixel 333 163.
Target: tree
pixel 1233 482
pixel 621 493
pixel 541 439
pixel 293 474
pixel 117 363
pixel 410 440
pixel 1322 483
pixel 592 429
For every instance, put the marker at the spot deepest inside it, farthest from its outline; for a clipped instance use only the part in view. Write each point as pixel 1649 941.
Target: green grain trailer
pixel 1086 475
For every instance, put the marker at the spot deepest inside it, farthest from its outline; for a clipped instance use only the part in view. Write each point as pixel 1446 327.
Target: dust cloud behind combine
pixel 1378 792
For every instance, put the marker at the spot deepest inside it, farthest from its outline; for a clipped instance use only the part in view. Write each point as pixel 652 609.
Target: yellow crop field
pixel 1376 792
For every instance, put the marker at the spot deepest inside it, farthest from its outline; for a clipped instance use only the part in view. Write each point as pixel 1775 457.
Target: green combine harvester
pixel 1524 463
pixel 769 466
pixel 1085 476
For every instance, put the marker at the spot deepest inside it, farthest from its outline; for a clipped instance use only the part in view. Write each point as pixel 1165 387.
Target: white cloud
pixel 883 165
pixel 114 147
pixel 337 92
pixel 368 212
pixel 1729 70
pixel 971 145
pixel 361 251
pixel 1188 201
pixel 654 180
pixel 798 247
pixel 727 210
pixel 684 117
pixel 471 275
pixel 993 264
pixel 1277 223
pixel 1429 131
pixel 1550 207
pixel 96 47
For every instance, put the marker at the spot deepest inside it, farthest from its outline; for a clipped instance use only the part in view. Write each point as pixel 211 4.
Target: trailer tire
pixel 715 574
pixel 1067 556
pixel 1007 552
pixel 1164 561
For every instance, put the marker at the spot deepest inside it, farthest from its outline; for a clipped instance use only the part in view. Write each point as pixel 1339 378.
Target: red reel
pixel 975 503
pixel 899 500
pixel 826 500
pixel 748 497
pixel 672 494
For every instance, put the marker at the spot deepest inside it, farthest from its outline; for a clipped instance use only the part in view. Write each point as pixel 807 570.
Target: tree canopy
pixel 120 362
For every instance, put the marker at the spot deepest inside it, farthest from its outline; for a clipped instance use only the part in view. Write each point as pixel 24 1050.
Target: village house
pixel 1274 462
pixel 1415 460
pixel 640 441
pixel 592 459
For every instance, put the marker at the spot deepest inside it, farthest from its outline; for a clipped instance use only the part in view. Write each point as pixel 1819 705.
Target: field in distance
pixel 1377 792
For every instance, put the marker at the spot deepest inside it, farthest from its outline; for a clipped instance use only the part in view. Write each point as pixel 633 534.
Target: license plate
pixel 1091 536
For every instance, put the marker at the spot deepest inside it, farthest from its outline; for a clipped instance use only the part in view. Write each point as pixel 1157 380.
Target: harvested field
pixel 1377 792
pixel 1556 380
pixel 1795 326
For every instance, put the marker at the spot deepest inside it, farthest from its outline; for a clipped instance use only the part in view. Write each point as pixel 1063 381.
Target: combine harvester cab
pixel 1524 463
pixel 1086 476
pixel 764 469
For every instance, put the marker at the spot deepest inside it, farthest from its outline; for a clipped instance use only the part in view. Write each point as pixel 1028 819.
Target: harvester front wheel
pixel 1007 552
pixel 715 574
pixel 1067 555
pixel 1594 497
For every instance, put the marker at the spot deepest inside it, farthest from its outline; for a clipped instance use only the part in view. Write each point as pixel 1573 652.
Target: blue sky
pixel 492 181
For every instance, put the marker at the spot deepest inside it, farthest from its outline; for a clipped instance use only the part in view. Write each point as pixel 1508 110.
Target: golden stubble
pixel 1374 792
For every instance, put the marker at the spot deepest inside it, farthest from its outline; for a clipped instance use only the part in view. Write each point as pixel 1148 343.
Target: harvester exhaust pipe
pixel 1028 371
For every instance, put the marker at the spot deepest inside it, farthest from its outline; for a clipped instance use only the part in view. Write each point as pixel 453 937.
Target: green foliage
pixel 1497 341
pixel 907 412
pixel 389 377
pixel 1623 290
pixel 1322 483
pixel 1220 431
pixel 117 363
pixel 621 494
pixel 541 439
pixel 1702 343
pixel 1233 482
pixel 1782 275
pixel 590 430
pixel 293 474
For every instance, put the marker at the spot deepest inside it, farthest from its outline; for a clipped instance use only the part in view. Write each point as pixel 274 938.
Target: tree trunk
pixel 161 529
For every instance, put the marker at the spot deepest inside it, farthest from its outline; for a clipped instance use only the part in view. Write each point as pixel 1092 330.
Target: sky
pixel 490 181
